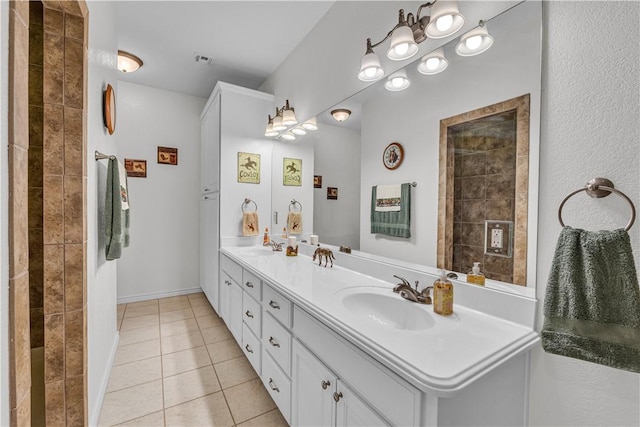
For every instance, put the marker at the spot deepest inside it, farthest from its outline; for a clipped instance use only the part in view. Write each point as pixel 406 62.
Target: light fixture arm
pixel 409 21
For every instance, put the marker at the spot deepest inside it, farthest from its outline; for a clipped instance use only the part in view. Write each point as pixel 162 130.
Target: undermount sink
pixel 383 307
pixel 254 251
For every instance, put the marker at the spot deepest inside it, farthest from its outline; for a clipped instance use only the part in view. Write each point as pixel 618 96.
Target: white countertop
pixel 441 359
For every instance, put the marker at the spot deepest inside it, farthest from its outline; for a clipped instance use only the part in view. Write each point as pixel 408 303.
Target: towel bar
pixel 100 156
pixel 597 188
pixel 246 202
pixel 293 203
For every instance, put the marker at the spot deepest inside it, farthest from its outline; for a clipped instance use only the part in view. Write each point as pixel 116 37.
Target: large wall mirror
pixel 348 155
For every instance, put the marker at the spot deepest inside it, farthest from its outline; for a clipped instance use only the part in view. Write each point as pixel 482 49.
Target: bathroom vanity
pixel 336 346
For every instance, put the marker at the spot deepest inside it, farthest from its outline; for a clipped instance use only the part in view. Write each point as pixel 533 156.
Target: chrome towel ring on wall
pixel 246 203
pixel 293 204
pixel 597 188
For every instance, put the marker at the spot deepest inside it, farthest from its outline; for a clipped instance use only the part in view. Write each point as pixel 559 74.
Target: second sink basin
pixel 255 251
pixel 381 306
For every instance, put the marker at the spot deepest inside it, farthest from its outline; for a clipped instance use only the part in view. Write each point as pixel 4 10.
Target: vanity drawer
pixel 393 397
pixel 252 285
pixel 277 305
pixel 277 341
pixel 278 385
pixel 231 268
pixel 252 315
pixel 252 348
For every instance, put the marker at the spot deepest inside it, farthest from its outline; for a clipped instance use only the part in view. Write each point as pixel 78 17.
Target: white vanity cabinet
pixel 231 296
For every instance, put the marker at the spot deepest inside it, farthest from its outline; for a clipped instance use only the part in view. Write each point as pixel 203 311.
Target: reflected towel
pixel 294 222
pixel 388 198
pixel 116 220
pixel 592 302
pixel 396 224
pixel 250 224
pixel 124 191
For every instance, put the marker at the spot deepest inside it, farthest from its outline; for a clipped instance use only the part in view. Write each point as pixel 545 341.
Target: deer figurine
pixel 323 252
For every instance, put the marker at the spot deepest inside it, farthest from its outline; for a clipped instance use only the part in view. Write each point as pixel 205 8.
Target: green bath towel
pixel 396 224
pixel 116 221
pixel 592 302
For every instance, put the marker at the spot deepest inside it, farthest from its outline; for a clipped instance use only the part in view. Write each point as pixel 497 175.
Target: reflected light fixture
pixel 270 131
pixel 285 125
pixel 444 21
pixel 127 62
pixel 433 63
pixel 397 81
pixel 341 114
pixel 310 124
pixel 277 121
pixel 299 130
pixel 288 136
pixel 288 115
pixel 475 41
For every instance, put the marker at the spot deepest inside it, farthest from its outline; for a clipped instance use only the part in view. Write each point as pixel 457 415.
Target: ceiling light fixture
pixel 433 63
pixel 341 114
pixel 444 21
pixel 285 125
pixel 397 81
pixel 127 62
pixel 475 41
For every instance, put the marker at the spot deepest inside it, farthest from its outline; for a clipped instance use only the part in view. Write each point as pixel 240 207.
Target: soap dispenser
pixel 475 276
pixel 443 295
pixel 265 238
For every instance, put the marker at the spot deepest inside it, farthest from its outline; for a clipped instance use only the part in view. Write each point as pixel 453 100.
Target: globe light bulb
pixel 444 22
pixel 473 42
pixel 433 63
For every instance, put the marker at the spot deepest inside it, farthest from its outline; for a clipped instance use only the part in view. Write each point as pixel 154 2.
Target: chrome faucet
pixel 407 292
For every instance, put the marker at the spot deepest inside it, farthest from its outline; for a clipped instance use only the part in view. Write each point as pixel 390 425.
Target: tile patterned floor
pixel 178 365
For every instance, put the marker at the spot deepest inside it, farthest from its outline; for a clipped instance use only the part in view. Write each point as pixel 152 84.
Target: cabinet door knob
pixel 273 342
pixel 325 384
pixel 249 285
pixel 248 348
pixel 206 197
pixel 206 189
pixel 273 385
pixel 274 305
pixel 337 396
pixel 249 314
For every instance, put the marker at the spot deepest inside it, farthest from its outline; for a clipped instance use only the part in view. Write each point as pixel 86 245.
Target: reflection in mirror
pixel 349 155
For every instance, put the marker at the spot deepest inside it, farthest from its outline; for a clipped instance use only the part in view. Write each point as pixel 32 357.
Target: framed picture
pixel 136 168
pixel 332 193
pixel 317 181
pixel 292 171
pixel 167 156
pixel 249 168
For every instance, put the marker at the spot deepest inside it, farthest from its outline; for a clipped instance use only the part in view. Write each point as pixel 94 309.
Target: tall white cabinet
pixel 232 122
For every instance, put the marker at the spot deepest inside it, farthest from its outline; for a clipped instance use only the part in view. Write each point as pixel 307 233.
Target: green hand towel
pixel 396 224
pixel 592 302
pixel 116 221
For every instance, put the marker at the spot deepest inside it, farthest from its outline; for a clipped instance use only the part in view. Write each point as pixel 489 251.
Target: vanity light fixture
pixel 288 115
pixel 288 136
pixel 341 114
pixel 444 21
pixel 277 121
pixel 270 131
pixel 475 41
pixel 433 63
pixel 127 62
pixel 397 81
pixel 299 130
pixel 284 124
pixel 310 124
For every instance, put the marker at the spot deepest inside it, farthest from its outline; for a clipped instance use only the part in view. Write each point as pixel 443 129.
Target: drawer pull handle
pixel 248 348
pixel 273 385
pixel 337 396
pixel 274 305
pixel 325 384
pixel 249 314
pixel 273 342
pixel 228 282
pixel 249 285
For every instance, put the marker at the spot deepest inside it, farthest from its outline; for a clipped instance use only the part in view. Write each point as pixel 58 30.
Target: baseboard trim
pixel 156 295
pixel 95 416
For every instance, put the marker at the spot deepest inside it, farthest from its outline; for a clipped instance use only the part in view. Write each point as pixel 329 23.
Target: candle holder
pixel 291 251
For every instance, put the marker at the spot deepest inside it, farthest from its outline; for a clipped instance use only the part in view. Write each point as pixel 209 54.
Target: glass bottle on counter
pixel 443 295
pixel 475 276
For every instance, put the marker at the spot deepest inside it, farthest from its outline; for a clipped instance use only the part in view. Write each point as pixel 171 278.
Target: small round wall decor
pixel 393 155
pixel 109 109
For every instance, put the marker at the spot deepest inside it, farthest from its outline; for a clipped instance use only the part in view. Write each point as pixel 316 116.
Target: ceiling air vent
pixel 202 59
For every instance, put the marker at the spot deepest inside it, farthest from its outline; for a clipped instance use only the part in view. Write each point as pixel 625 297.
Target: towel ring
pixel 293 203
pixel 597 188
pixel 246 202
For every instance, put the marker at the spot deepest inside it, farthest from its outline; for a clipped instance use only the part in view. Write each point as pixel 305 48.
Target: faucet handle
pixel 424 295
pixel 399 286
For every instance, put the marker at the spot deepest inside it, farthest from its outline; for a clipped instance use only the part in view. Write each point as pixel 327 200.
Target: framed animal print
pixel 168 155
pixel 292 171
pixel 136 168
pixel 249 168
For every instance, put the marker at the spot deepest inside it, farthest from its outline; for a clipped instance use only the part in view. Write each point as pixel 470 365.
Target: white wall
pixel 101 275
pixel 4 206
pixel 509 69
pixel 163 257
pixel 337 160
pixel 590 127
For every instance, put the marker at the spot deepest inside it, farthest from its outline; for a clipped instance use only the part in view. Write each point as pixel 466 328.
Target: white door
pixel 209 243
pixel 235 311
pixel 210 148
pixel 352 411
pixel 313 388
